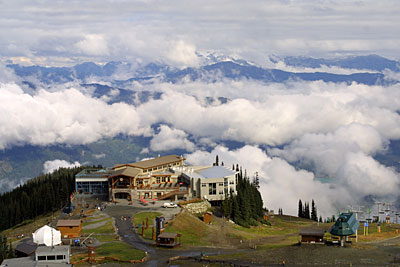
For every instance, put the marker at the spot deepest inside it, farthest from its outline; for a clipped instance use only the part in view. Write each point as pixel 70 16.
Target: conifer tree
pixel 300 213
pixel 306 210
pixel 314 215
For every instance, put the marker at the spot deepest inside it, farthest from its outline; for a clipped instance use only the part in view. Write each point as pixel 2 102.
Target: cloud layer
pixel 174 31
pixel 313 131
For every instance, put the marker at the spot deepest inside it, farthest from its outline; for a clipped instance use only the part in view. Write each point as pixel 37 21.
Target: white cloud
pixel 65 116
pixel 52 165
pixel 99 156
pixel 93 44
pixel 169 139
pixel 326 153
pixel 183 53
pixel 281 185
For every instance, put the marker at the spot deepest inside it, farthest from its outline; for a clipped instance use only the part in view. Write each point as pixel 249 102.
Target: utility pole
pixel 378 203
pixel 356 212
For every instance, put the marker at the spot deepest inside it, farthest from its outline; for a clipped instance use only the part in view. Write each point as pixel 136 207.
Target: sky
pixel 294 133
pixel 66 32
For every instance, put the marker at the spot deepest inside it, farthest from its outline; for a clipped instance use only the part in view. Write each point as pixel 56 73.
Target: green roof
pixel 346 224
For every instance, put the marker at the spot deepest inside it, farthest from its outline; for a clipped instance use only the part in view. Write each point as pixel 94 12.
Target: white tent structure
pixel 47 236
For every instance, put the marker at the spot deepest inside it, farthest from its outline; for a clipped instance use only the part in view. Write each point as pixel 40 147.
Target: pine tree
pixel 314 215
pixel 320 219
pixel 306 210
pixel 300 213
pixel 216 161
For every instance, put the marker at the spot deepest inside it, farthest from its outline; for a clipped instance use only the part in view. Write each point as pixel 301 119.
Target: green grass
pixel 119 250
pixel 89 222
pixel 104 229
pixel 106 238
pixel 194 232
pixel 141 217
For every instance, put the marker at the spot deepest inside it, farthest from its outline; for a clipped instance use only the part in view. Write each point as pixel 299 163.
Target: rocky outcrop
pixel 198 207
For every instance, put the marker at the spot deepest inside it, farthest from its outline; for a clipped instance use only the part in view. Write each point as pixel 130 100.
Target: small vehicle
pixel 169 205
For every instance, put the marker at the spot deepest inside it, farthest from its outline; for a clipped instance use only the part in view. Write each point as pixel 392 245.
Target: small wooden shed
pixel 169 240
pixel 70 228
pixel 312 235
pixel 207 216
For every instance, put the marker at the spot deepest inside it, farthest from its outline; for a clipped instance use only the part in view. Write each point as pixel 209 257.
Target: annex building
pixel 158 178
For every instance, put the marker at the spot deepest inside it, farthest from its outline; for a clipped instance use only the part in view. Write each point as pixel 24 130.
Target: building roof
pixel 43 250
pixel 216 172
pixel 62 223
pixel 27 247
pixel 312 231
pixel 346 224
pixel 127 171
pixel 168 235
pixel 153 162
pixel 94 173
pixel 18 262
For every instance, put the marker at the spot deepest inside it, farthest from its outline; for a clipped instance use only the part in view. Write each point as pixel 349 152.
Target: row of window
pixel 219 184
pixel 51 257
pixel 161 167
pixel 160 179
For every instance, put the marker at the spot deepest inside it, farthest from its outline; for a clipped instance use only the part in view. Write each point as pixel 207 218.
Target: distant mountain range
pixel 371 71
pixel 371 62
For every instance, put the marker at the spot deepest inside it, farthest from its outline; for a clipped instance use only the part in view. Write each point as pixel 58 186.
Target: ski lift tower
pixel 387 213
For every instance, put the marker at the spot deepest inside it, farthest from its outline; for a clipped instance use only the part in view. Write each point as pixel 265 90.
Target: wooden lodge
pixel 148 179
pixel 312 235
pixel 169 240
pixel 70 228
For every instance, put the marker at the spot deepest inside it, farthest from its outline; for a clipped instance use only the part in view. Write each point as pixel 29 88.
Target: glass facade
pixel 98 188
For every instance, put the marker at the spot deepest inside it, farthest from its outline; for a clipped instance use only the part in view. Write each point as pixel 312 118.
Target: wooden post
pixel 143 229
pixel 153 233
pixel 92 254
pixel 147 222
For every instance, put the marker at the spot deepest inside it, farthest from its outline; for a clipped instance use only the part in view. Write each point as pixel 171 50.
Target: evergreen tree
pixel 216 161
pixel 6 250
pixel 300 213
pixel 306 210
pixel 320 219
pixel 314 215
pixel 38 196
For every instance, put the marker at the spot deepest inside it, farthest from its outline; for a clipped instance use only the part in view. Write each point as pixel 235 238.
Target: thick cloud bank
pixel 314 131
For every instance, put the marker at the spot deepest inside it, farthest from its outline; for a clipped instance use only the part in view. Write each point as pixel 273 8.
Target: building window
pixel 203 185
pixel 225 181
pixel 60 257
pixel 51 258
pixel 212 190
pixel 163 179
pixel 158 180
pixel 221 192
pixel 231 182
pixel 220 184
pixel 41 258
